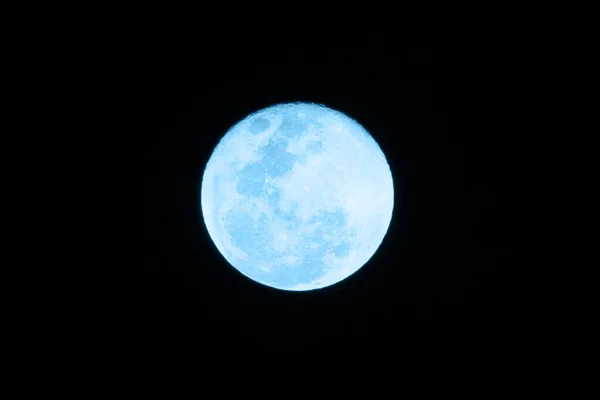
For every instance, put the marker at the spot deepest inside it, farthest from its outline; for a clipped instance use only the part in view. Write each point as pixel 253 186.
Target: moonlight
pixel 297 196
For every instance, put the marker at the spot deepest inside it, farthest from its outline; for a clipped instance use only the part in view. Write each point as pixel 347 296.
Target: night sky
pixel 446 273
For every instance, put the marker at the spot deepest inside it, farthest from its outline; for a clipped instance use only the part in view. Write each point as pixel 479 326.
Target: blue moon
pixel 297 196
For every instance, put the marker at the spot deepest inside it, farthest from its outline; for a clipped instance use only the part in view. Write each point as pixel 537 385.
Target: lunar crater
pixel 259 125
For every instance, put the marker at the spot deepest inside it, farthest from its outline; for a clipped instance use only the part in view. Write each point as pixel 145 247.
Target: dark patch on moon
pixel 259 125
pixel 275 159
pixel 342 249
pixel 292 127
pixel 248 235
pixel 251 180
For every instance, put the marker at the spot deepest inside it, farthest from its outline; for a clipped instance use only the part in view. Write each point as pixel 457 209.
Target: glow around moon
pixel 297 196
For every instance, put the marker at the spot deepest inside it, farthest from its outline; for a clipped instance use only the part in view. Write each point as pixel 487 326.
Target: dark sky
pixel 447 270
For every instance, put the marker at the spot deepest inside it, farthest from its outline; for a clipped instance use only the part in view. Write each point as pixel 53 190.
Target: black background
pixel 447 273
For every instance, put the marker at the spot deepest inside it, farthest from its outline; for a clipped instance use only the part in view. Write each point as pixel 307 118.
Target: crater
pixel 259 125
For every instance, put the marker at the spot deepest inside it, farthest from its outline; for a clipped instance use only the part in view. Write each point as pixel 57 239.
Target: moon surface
pixel 297 196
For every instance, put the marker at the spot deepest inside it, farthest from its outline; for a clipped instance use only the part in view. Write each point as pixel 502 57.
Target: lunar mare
pixel 297 196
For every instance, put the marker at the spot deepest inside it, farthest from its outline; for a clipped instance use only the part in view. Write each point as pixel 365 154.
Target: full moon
pixel 297 196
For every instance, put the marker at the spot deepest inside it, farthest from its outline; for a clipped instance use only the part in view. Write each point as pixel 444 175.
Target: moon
pixel 297 196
